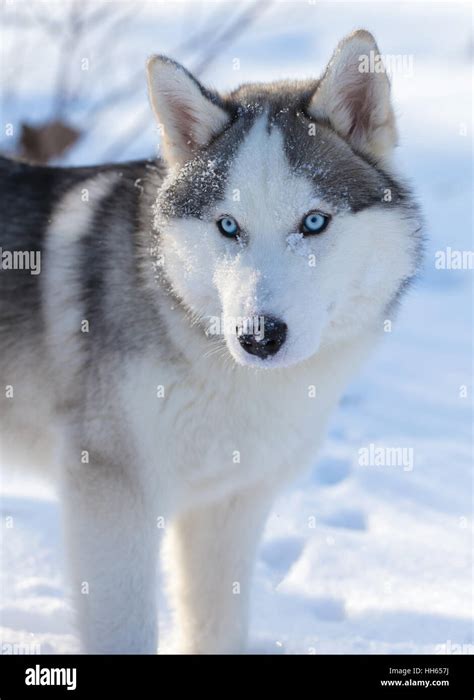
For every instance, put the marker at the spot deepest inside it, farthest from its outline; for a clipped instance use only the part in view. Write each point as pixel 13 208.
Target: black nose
pixel 274 335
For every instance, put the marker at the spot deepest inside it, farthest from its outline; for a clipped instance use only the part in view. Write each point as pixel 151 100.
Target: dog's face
pixel 279 226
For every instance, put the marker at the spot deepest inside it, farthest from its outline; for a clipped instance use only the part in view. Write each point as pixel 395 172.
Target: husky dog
pixel 192 327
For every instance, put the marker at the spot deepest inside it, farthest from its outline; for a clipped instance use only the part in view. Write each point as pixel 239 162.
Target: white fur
pixel 207 458
pixel 187 119
pixel 27 420
pixel 356 103
pixel 70 223
pixel 210 455
pixel 324 287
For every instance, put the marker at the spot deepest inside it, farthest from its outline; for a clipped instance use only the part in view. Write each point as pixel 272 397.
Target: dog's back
pixel 30 199
pixel 27 199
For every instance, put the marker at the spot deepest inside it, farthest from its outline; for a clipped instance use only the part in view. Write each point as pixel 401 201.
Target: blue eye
pixel 228 226
pixel 314 222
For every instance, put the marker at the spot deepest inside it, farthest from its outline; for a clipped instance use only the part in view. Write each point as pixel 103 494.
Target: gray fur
pixel 114 249
pixel 342 176
pixel 94 391
pixel 28 197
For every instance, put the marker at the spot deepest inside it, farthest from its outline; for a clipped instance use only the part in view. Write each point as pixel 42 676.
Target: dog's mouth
pixel 269 353
pixel 274 346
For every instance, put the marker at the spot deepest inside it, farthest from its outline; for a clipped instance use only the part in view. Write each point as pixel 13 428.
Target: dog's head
pixel 279 223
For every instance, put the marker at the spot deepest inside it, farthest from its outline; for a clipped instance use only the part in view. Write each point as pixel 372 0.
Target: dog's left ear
pixel 354 96
pixel 189 115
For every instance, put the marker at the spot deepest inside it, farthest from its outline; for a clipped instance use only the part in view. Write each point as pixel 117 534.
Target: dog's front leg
pixel 211 554
pixel 111 538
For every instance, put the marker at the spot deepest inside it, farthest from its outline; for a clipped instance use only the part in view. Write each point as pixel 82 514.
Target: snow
pixel 355 559
pixel 297 244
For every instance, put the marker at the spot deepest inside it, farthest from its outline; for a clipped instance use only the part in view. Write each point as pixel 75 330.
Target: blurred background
pixel 73 81
pixel 355 559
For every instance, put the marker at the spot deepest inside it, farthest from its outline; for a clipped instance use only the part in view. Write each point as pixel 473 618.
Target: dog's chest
pixel 207 435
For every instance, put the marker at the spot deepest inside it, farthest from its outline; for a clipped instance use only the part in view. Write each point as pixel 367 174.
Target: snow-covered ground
pixel 355 559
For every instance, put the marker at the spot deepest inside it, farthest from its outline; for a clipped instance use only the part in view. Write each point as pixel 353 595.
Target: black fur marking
pixel 28 198
pixel 201 182
pixel 122 315
pixel 346 178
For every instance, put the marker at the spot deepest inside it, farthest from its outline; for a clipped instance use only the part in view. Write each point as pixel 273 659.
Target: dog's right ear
pixel 188 114
pixel 356 101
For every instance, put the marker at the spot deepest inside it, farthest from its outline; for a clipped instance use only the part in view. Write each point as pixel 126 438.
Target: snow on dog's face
pixel 279 223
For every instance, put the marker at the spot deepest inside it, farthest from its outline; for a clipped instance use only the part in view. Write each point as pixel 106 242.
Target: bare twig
pixel 229 35
pixel 135 82
pixel 247 17
pixel 105 20
pixel 107 33
pixel 70 37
